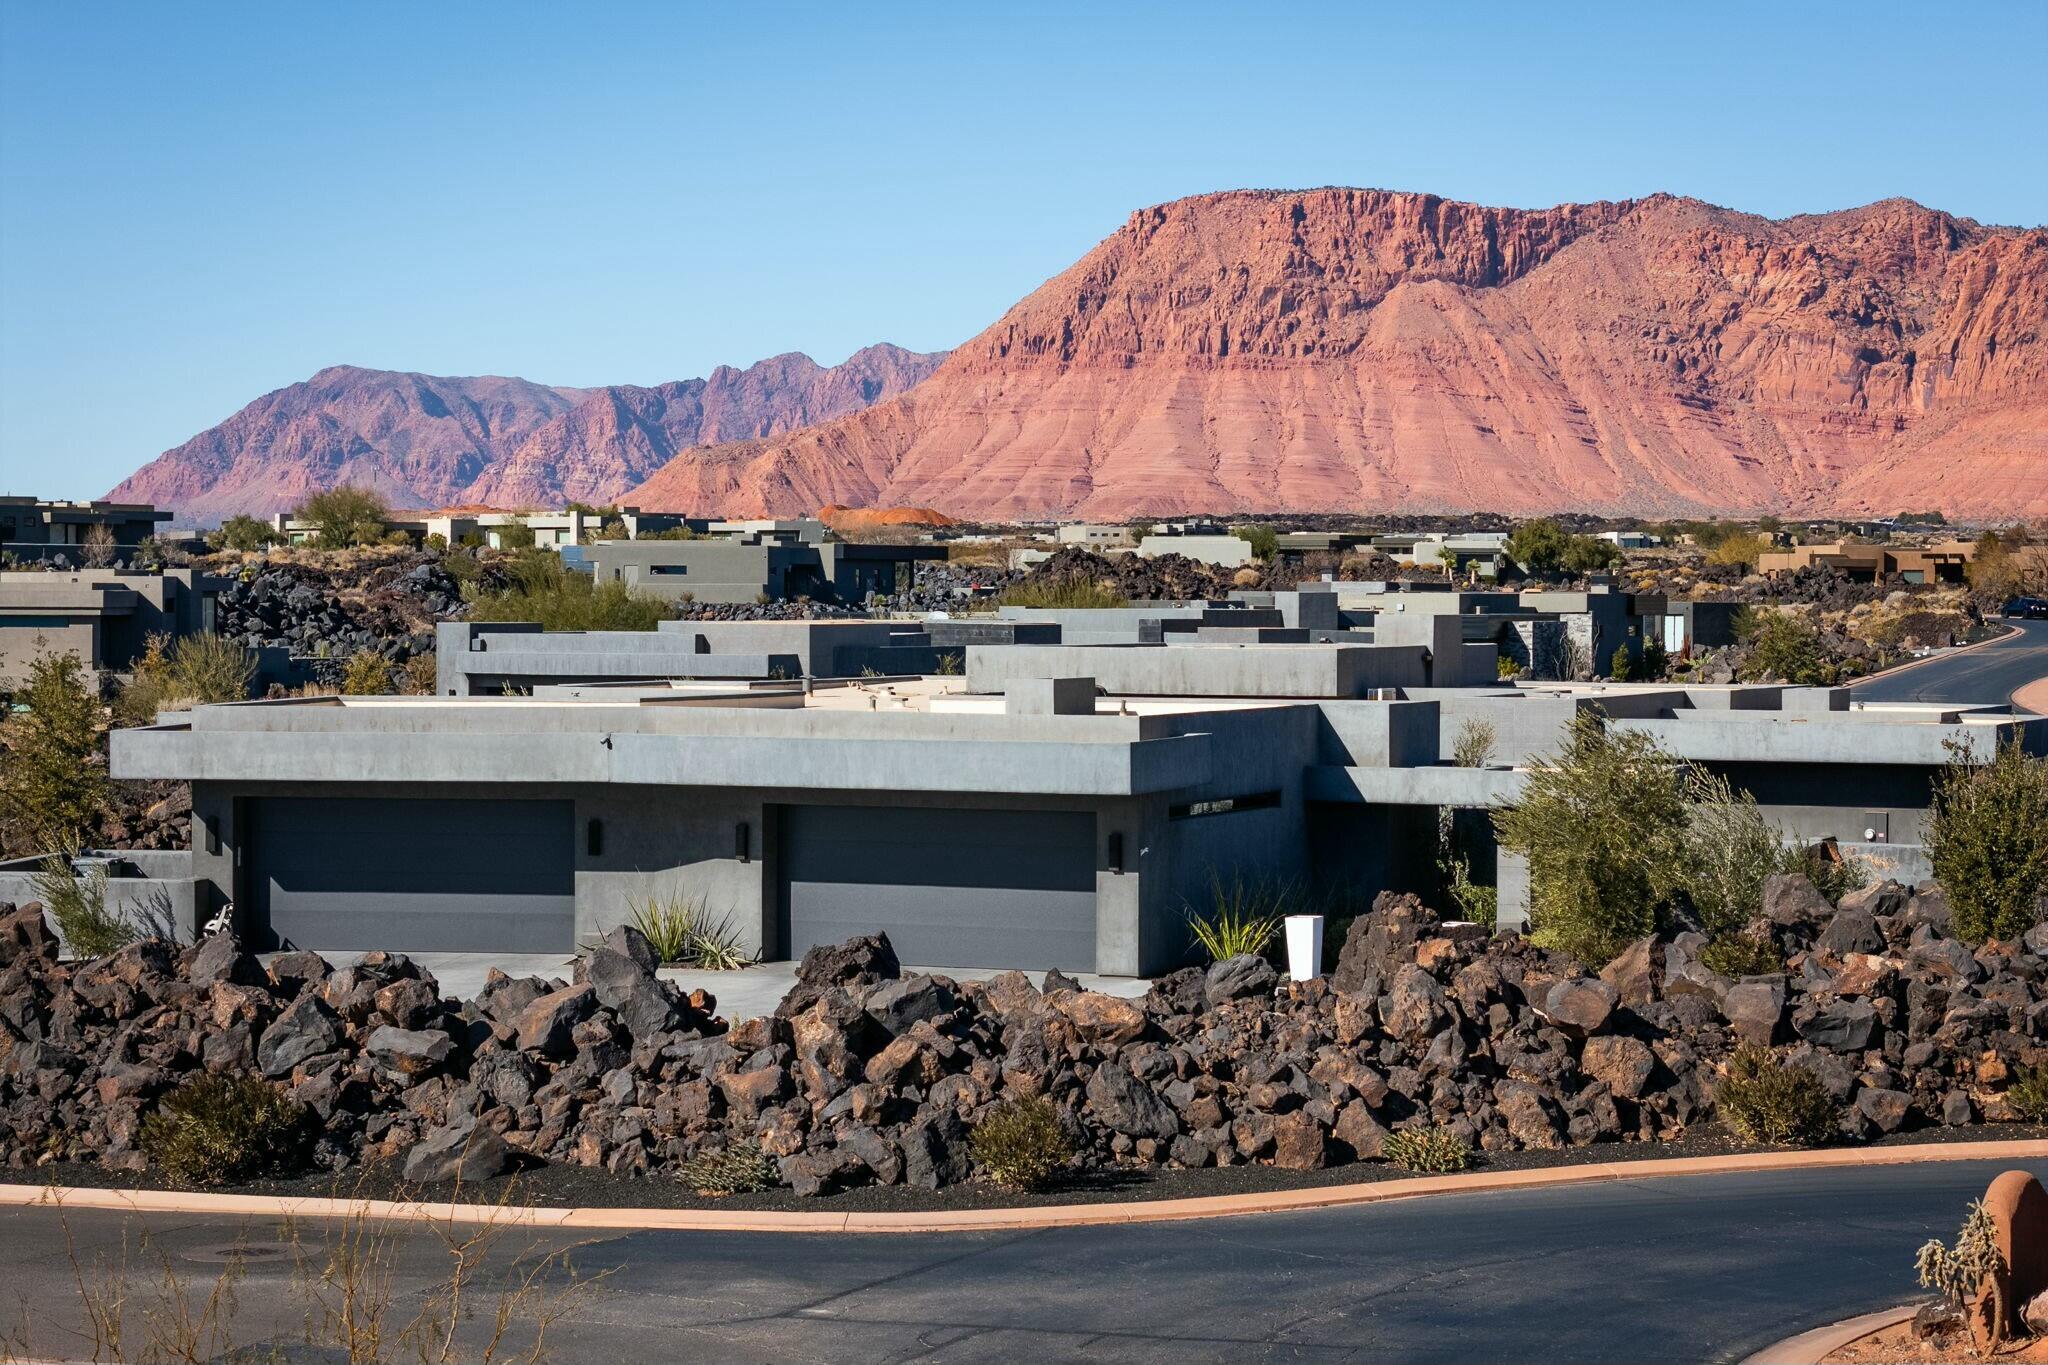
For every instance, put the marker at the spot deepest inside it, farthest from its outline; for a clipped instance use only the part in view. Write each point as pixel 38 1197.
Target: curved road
pixel 1704 1268
pixel 1990 674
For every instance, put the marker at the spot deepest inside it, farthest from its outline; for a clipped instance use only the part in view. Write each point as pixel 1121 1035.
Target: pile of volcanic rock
pixel 324 613
pixel 864 1075
pixel 1159 578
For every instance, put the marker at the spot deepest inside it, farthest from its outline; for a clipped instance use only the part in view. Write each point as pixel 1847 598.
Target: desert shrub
pixel 1431 1150
pixel 1505 668
pixel 1784 648
pixel 345 516
pixel 1766 1100
pixel 1066 592
pixel 514 535
pixel 79 905
pixel 242 532
pixel 1740 955
pixel 1243 918
pixel 217 1128
pixel 1987 838
pixel 53 785
pixel 1588 821
pixel 366 674
pixel 684 932
pixel 1021 1143
pixel 738 1169
pixel 1956 1272
pixel 418 678
pixel 1622 667
pixel 1739 549
pixel 948 665
pixel 1719 855
pixel 194 668
pixel 1542 546
pixel 1473 745
pixel 99 549
pixel 2028 1094
pixel 1264 540
pixel 540 588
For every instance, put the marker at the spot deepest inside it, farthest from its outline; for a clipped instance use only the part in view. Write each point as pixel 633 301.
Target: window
pixel 1224 805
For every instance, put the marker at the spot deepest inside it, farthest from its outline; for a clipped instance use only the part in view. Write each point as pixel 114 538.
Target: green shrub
pixel 1243 917
pixel 1431 1150
pixel 2028 1094
pixel 1473 745
pixel 1957 1273
pixel 218 1128
pixel 79 905
pixel 53 782
pixel 1066 592
pixel 242 532
pixel 192 669
pixel 1720 853
pixel 1988 841
pixel 366 674
pixel 1021 1143
pixel 1264 540
pixel 1766 1100
pixel 343 517
pixel 1589 822
pixel 738 1169
pixel 1783 648
pixel 683 932
pixel 541 589
pixel 418 677
pixel 1740 955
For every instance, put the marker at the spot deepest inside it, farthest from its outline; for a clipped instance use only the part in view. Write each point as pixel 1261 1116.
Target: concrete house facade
pixel 103 617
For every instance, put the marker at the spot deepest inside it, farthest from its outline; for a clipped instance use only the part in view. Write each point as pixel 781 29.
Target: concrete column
pixel 1511 883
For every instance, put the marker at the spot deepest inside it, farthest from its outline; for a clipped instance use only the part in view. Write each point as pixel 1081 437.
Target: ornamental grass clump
pixel 741 1168
pixel 1433 1151
pixel 219 1128
pixel 684 932
pixel 1779 1103
pixel 1244 918
pixel 1021 1143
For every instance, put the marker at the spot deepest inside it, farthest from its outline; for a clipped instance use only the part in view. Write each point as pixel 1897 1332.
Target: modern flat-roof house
pixel 31 529
pixel 550 530
pixel 1058 806
pixel 1947 562
pixel 756 564
pixel 104 617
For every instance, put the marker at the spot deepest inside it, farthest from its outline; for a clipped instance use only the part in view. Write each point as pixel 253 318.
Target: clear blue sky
pixel 203 202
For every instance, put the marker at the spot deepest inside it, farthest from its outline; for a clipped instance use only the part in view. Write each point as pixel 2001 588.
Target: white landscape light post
pixel 1304 946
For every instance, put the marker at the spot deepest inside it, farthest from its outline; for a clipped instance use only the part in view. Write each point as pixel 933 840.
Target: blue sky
pixel 200 203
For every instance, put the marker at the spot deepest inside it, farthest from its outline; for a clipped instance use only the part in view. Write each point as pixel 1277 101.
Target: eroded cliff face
pixel 1340 349
pixel 425 441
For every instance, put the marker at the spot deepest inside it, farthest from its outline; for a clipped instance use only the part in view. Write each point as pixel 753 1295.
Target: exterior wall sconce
pixel 593 838
pixel 741 841
pixel 1116 852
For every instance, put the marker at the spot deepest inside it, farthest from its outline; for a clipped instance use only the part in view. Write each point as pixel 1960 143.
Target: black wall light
pixel 593 838
pixel 1116 852
pixel 740 841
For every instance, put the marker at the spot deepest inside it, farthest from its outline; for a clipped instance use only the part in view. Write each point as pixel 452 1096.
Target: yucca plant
pixel 684 932
pixel 1244 917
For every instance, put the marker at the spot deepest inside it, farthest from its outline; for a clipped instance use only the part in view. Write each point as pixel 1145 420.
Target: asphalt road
pixel 1675 1269
pixel 1990 674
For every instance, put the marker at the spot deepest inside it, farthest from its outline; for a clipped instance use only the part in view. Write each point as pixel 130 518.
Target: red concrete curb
pixel 1809 1348
pixel 1033 1217
pixel 2033 697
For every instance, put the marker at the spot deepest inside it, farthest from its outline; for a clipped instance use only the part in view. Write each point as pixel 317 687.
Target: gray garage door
pixel 953 888
pixel 414 876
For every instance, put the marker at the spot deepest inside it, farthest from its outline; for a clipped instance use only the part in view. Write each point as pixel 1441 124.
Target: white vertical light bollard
pixel 1304 946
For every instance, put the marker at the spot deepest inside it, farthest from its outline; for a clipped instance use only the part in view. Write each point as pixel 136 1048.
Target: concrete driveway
pixel 743 994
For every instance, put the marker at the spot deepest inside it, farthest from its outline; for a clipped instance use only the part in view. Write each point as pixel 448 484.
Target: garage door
pixel 953 888
pixel 413 876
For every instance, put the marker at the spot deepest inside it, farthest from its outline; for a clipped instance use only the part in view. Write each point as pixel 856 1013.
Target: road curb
pixel 1809 1348
pixel 1018 1219
pixel 2033 697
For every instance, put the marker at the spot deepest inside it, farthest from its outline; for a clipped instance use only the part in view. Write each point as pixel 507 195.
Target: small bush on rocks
pixel 368 674
pixel 2028 1094
pixel 1021 1143
pixel 1988 841
pixel 218 1128
pixel 1432 1151
pixel 1766 1100
pixel 1243 918
pixel 1741 955
pixel 79 905
pixel 738 1169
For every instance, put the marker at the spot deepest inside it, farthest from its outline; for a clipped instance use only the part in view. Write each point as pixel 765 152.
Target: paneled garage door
pixel 953 888
pixel 414 876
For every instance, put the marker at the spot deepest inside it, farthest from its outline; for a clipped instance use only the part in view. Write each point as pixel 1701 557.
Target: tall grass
pixel 684 932
pixel 1068 592
pixel 1243 917
pixel 540 589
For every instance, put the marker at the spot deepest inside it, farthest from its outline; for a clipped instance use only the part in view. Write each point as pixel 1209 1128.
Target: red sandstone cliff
pixel 1364 349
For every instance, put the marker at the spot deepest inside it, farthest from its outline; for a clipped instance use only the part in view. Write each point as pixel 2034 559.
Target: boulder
pixel 896 1005
pixel 1300 1143
pixel 1634 972
pixel 405 1056
pixel 1790 901
pixel 1623 1065
pixel 1850 931
pixel 1240 977
pixel 547 1026
pixel 1127 1105
pixel 1886 1110
pixel 217 958
pixel 857 962
pixel 1843 1026
pixel 1883 899
pixel 1415 1006
pixel 1382 940
pixel 1753 1008
pixel 1107 1021
pixel 307 1028
pixel 1580 1005
pixel 626 986
pixel 463 1150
